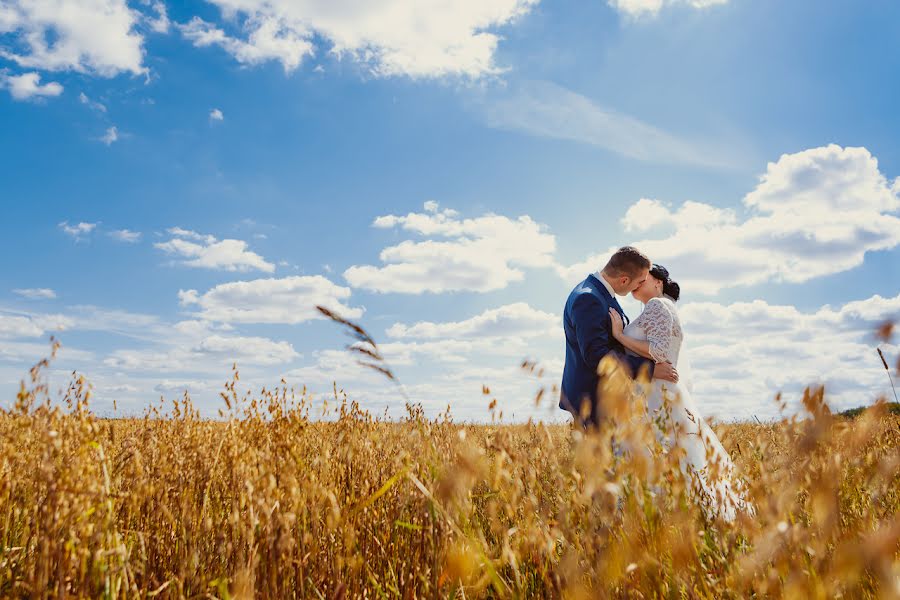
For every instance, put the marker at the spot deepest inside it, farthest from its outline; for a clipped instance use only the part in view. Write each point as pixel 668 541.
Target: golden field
pixel 270 503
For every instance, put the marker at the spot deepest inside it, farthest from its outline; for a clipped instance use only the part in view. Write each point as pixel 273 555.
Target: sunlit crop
pixel 269 502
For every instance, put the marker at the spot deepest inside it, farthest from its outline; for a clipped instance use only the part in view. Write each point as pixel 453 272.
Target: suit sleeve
pixel 591 329
pixel 594 341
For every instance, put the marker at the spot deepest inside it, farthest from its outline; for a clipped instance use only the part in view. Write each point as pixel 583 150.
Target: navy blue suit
pixel 588 340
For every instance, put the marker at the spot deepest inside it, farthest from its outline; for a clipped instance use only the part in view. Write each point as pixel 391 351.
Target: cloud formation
pixel 211 354
pixel 289 300
pixel 518 319
pixel 35 293
pixel 648 8
pixel 98 106
pixel 745 352
pixel 414 38
pixel 544 109
pixel 206 252
pixel 110 136
pixel 814 213
pixel 125 235
pixel 448 363
pixel 78 231
pixel 479 255
pixel 28 85
pixel 14 325
pixel 87 36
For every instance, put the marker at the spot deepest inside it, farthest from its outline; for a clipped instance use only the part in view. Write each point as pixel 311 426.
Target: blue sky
pixel 182 182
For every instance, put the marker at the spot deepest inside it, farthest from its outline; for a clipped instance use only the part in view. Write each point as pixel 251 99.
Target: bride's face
pixel 651 288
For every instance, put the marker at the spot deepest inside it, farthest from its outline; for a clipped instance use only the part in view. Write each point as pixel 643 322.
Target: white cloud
pixel 288 300
pixel 212 354
pixel 448 382
pixel 87 36
pixel 13 326
pixel 461 351
pixel 814 213
pixel 119 388
pixel 111 135
pixel 182 346
pixel 490 344
pixel 139 326
pixel 335 366
pixel 495 338
pixel 132 374
pixel 479 255
pixel 190 346
pixel 648 8
pixel 268 39
pixel 82 97
pixel 35 293
pixel 544 109
pixel 448 363
pixel 179 386
pixel 191 235
pixel 257 350
pixel 160 22
pixel 78 231
pixel 424 38
pixel 743 353
pixel 126 235
pixel 205 251
pixel 517 319
pixel 216 115
pixel 17 353
pixel 28 85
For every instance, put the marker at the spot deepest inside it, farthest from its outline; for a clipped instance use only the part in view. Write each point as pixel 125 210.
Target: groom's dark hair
pixel 628 261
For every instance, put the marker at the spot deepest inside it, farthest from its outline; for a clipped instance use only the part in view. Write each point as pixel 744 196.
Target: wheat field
pixel 267 502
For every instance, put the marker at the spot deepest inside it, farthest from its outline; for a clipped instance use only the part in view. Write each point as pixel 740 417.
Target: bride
pixel 656 334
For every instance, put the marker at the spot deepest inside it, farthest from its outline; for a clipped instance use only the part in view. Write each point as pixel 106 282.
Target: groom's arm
pixel 595 340
pixel 591 329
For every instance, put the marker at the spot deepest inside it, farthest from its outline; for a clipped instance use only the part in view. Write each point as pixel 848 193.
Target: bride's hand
pixel 616 321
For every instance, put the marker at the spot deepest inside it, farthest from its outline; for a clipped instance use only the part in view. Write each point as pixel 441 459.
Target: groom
pixel 588 339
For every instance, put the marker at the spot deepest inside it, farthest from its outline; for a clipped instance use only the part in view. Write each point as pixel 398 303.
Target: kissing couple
pixel 596 326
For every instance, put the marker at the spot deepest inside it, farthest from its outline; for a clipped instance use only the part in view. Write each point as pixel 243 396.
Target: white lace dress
pixel 705 464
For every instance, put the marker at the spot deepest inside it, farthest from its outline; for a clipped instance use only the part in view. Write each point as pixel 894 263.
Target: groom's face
pixel 628 284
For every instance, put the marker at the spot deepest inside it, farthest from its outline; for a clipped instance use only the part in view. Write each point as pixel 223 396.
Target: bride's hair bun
pixel 670 287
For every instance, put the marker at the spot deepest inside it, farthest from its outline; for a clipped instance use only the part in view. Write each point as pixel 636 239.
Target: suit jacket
pixel 588 340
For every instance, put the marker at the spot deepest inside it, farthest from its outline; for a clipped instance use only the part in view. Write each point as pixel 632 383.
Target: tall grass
pixel 269 503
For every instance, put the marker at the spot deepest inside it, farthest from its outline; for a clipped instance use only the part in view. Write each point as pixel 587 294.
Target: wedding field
pixel 268 503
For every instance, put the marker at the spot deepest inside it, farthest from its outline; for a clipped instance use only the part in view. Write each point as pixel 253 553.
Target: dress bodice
pixel 659 324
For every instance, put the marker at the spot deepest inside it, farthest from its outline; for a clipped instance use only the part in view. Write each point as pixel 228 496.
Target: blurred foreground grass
pixel 267 503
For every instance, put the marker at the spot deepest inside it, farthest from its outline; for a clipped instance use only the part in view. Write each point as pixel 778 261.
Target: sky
pixel 182 183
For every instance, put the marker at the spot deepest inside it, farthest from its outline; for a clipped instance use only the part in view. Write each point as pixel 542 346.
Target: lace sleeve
pixel 657 321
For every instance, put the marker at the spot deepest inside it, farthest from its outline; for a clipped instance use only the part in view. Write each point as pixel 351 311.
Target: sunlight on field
pixel 267 503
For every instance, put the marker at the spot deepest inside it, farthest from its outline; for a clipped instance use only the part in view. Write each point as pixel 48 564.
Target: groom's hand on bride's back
pixel 666 372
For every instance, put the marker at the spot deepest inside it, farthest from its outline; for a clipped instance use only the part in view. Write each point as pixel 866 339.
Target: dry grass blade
pixel 374 355
pixel 352 328
pixel 380 369
pixel 362 337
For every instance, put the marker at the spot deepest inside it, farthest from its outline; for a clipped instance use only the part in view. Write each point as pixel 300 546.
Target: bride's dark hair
pixel 670 287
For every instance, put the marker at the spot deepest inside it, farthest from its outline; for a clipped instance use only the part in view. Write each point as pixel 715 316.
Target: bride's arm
pixel 639 347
